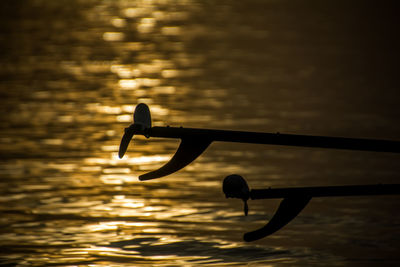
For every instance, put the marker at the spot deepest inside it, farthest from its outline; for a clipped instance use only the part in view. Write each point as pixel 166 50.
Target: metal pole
pixel 326 191
pixel 276 139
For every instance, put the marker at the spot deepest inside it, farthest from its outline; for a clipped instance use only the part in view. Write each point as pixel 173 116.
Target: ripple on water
pixel 72 76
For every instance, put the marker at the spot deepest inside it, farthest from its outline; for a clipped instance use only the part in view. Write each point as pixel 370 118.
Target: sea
pixel 73 71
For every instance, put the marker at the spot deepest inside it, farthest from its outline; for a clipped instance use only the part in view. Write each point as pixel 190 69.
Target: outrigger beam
pixel 295 199
pixel 195 141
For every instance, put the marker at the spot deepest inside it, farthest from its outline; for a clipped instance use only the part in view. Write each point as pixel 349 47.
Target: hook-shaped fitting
pixel 141 125
pixel 235 186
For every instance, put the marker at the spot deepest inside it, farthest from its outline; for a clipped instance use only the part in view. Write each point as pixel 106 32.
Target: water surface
pixel 72 73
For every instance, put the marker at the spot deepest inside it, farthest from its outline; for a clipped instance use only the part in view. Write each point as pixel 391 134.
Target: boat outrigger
pixel 195 141
pixel 294 199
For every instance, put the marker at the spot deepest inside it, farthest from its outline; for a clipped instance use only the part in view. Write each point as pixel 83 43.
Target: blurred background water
pixel 72 73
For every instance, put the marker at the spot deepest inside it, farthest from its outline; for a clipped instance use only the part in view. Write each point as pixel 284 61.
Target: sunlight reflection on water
pixel 72 79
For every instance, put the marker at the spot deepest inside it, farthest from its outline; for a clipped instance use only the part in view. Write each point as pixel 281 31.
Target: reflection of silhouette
pixel 195 141
pixel 295 199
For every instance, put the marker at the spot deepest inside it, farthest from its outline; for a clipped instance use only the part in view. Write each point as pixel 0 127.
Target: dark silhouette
pixel 294 199
pixel 235 186
pixel 195 141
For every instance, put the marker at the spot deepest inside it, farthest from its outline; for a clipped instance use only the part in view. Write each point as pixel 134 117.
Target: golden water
pixel 72 73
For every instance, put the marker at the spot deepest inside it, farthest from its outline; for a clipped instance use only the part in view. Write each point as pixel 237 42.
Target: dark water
pixel 73 71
